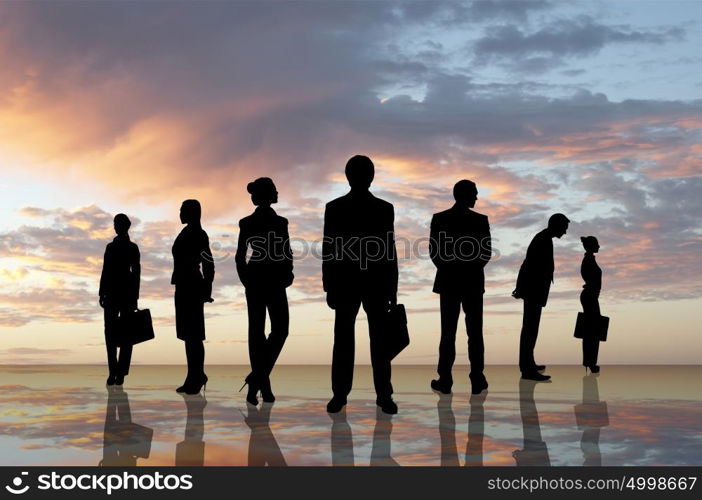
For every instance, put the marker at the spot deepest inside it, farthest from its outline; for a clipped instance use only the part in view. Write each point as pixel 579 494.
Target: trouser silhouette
pixel 263 352
pixel 344 345
pixel 117 365
pixel 591 344
pixel 450 311
pixel 527 338
pixel 195 355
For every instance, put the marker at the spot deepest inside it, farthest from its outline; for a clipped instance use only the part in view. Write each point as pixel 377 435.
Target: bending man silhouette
pixel 359 267
pixel 460 247
pixel 589 298
pixel 119 293
pixel 533 284
pixel 193 273
pixel 265 276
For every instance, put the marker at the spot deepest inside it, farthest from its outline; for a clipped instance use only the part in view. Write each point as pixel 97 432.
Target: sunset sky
pixel 593 109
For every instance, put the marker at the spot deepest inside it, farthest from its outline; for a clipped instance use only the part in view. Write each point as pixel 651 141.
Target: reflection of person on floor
pixel 535 451
pixel 123 440
pixel 476 431
pixel 447 430
pixel 263 448
pixel 191 451
pixel 380 452
pixel 591 416
pixel 341 440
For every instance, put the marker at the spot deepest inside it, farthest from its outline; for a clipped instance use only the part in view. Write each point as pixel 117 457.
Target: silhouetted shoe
pixel 387 405
pixel 335 404
pixel 119 380
pixel 593 368
pixel 539 368
pixel 110 380
pixel 251 395
pixel 266 392
pixel 185 385
pixel 478 384
pixel 535 376
pixel 441 386
pixel 195 388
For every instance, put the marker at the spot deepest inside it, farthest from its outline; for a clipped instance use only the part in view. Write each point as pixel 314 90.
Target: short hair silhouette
pixel 360 171
pixel 122 223
pixel 589 242
pixel 262 190
pixel 558 220
pixel 191 210
pixel 464 189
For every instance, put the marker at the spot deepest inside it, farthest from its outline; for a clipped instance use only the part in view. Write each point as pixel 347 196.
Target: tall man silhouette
pixel 533 284
pixel 359 267
pixel 460 246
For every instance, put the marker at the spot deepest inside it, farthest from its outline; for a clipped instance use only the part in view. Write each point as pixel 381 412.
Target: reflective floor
pixel 626 415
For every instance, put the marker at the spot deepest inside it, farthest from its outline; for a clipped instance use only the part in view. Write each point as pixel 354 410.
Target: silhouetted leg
pixel 125 354
pixel 447 431
pixel 527 339
pixel 256 305
pixel 341 440
pixel 450 309
pixel 590 445
pixel 195 354
pixel 111 315
pixel 473 309
pixel 344 345
pixel 377 329
pixel 591 344
pixel 381 449
pixel 535 451
pixel 191 451
pixel 476 431
pixel 280 323
pixel 263 448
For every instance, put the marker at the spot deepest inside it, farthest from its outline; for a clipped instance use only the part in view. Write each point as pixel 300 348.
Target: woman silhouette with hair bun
pixel 589 298
pixel 193 273
pixel 265 276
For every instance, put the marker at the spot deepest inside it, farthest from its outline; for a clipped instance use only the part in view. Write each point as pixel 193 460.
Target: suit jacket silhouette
pixel 354 223
pixel 121 271
pixel 460 273
pixel 591 273
pixel 193 268
pixel 536 273
pixel 270 264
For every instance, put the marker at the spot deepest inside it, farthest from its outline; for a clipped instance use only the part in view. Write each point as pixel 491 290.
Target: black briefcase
pixel 136 327
pixel 588 325
pixel 398 335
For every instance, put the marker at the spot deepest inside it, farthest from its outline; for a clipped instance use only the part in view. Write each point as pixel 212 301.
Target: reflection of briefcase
pixel 398 335
pixel 137 440
pixel 588 325
pixel 136 327
pixel 190 454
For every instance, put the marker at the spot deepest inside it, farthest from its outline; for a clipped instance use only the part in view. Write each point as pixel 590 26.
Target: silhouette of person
pixel 193 273
pixel 476 431
pixel 123 440
pixel 591 416
pixel 119 293
pixel 589 298
pixel 381 449
pixel 447 431
pixel 533 284
pixel 460 246
pixel 265 276
pixel 360 267
pixel 263 448
pixel 535 451
pixel 191 451
pixel 341 440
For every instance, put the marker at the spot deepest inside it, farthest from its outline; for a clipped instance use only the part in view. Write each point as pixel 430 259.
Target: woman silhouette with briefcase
pixel 591 326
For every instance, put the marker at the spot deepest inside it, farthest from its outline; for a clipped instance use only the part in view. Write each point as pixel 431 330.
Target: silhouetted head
pixel 590 244
pixel 122 224
pixel 190 211
pixel 558 224
pixel 360 172
pixel 262 191
pixel 465 192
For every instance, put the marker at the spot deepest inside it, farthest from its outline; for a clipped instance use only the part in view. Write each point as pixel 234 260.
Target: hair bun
pixel 250 187
pixel 583 238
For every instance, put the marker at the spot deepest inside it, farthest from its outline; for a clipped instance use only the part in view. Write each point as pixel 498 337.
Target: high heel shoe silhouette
pixel 253 390
pixel 195 388
pixel 266 392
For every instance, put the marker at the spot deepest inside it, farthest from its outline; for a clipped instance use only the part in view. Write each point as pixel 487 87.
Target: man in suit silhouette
pixel 359 267
pixel 533 284
pixel 119 293
pixel 460 246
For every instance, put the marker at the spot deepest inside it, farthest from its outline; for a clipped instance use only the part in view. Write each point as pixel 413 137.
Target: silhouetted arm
pixel 485 244
pixel 287 253
pixel 328 253
pixel 240 256
pixel 104 276
pixel 208 267
pixel 392 259
pixel 434 242
pixel 136 272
